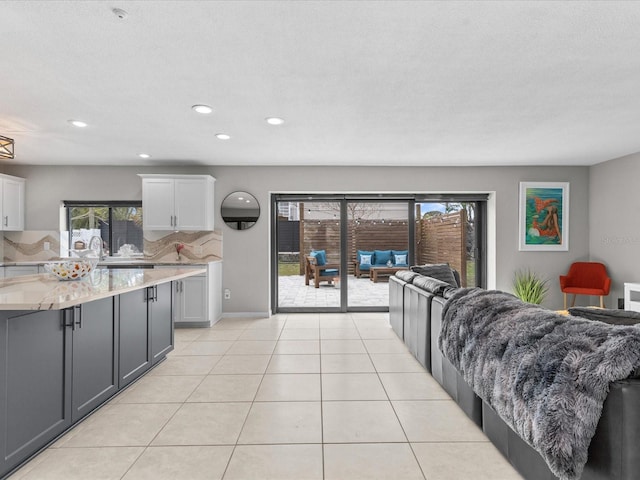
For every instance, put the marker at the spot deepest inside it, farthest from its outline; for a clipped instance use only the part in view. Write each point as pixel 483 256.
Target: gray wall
pixel 614 217
pixel 246 253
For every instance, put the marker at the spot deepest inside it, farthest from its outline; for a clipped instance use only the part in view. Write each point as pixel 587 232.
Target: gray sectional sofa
pixel 416 315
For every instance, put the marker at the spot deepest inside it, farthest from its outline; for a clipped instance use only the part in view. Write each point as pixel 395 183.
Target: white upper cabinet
pixel 177 202
pixel 12 203
pixel 158 203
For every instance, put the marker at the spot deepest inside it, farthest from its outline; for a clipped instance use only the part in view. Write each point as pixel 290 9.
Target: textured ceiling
pixel 358 83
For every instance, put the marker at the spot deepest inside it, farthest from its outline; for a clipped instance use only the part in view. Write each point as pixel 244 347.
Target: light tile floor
pixel 301 397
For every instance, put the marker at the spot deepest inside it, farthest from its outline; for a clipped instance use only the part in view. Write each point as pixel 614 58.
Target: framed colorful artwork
pixel 544 216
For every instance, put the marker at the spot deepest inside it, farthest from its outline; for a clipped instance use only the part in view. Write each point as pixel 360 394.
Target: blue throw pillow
pixel 400 262
pixel 382 256
pixel 360 253
pixel 321 257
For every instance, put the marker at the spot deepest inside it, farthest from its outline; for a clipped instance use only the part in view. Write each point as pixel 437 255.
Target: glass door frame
pixel 481 201
pixel 409 203
pixel 343 199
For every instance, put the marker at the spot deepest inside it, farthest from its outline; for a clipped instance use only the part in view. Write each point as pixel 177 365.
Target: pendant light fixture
pixel 6 147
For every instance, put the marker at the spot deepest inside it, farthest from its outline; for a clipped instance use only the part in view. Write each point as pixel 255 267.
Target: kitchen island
pixel 66 347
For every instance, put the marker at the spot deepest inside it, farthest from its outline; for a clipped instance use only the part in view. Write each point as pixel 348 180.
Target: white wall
pixel 246 253
pixel 614 219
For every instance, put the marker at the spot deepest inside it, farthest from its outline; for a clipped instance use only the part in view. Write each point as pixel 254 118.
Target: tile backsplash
pixel 199 247
pixel 29 246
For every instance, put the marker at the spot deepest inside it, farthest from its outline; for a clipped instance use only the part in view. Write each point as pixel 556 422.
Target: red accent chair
pixel 585 278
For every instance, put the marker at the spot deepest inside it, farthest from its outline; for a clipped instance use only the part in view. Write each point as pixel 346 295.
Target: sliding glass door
pixel 309 254
pixel 451 232
pixel 378 246
pixel 335 253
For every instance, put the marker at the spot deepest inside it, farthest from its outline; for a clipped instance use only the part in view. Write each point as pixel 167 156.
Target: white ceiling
pixel 358 83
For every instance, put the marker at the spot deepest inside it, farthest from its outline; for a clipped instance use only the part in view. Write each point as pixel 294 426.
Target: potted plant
pixel 529 287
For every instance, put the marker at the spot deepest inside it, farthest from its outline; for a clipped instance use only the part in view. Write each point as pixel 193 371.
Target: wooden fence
pixel 441 239
pixel 361 235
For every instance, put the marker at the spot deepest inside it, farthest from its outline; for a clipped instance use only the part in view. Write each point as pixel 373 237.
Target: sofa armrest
pixel 563 281
pixel 329 265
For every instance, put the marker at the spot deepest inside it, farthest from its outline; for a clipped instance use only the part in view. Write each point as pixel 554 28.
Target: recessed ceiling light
pixel 222 136
pixel 120 13
pixel 240 198
pixel 247 201
pixel 274 120
pixel 78 123
pixel 144 155
pixel 204 109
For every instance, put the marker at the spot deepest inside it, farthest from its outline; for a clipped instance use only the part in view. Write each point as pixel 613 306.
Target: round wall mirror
pixel 240 210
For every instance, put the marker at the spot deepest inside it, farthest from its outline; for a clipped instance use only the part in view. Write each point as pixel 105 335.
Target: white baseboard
pixel 192 324
pixel 246 314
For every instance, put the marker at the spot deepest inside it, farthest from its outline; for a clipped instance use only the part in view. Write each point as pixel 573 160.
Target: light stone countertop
pixel 46 292
pixel 114 264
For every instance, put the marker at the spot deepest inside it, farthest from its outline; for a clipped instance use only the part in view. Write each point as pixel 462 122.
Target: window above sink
pixel 118 223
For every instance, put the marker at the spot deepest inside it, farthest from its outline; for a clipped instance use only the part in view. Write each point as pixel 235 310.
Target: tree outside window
pixel 117 224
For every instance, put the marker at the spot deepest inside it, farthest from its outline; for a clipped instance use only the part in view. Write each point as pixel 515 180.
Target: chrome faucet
pixel 101 254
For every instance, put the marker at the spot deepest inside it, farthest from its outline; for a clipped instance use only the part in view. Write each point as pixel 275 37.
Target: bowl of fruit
pixel 71 269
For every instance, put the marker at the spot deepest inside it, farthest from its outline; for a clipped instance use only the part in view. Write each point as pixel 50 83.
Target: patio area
pixel 362 292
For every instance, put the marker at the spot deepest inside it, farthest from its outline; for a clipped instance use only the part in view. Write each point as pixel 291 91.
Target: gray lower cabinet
pixel 57 366
pixel 146 330
pixel 135 344
pixel 161 322
pixel 35 382
pixel 95 354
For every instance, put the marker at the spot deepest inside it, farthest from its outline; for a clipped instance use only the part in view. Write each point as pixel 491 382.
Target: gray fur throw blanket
pixel 545 374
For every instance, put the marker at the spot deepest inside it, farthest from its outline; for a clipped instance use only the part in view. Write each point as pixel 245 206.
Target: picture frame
pixel 544 216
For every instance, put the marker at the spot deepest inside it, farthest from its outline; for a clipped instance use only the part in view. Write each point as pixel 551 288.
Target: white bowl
pixel 72 269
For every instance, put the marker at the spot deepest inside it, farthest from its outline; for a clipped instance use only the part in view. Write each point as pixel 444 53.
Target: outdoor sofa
pixel 366 259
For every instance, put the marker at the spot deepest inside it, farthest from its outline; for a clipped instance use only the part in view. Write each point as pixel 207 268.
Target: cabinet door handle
pixel 77 313
pixel 6 220
pixel 155 293
pixel 68 312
